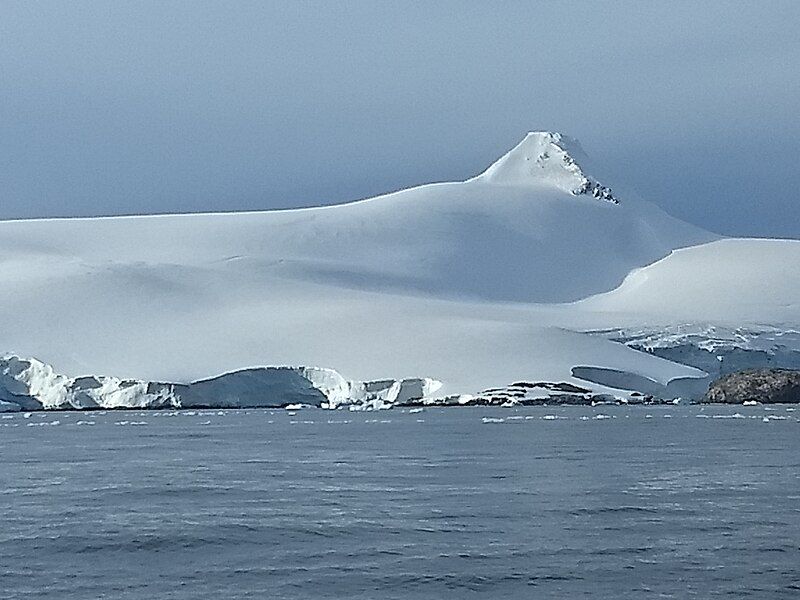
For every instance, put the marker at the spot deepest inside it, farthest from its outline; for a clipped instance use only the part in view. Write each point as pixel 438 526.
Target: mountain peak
pixel 546 158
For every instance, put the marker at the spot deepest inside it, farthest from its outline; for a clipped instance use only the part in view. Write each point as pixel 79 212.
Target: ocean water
pixel 604 502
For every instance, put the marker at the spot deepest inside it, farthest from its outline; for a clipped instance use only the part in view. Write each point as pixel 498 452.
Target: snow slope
pixel 738 281
pixel 476 283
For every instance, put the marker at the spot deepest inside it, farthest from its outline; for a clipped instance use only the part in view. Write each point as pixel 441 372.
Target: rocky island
pixel 765 386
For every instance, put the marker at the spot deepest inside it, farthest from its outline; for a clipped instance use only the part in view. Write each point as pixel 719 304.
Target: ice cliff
pixel 30 384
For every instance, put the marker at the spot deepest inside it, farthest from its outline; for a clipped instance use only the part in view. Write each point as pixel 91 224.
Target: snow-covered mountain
pixel 477 283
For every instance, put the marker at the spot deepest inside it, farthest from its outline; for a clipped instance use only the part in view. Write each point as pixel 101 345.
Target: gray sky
pixel 119 108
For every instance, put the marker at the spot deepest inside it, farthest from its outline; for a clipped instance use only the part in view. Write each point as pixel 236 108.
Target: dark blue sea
pixel 604 502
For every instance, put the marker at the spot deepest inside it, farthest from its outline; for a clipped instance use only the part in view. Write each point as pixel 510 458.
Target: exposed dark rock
pixel 567 388
pixel 559 400
pixel 767 386
pixel 560 386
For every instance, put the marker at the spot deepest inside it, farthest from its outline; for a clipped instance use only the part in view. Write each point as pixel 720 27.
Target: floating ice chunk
pixel 733 416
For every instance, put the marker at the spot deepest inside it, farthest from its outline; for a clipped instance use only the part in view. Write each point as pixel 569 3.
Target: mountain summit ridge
pixel 546 158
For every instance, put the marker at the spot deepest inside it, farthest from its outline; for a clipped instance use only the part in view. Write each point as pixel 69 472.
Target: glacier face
pixel 481 283
pixel 30 384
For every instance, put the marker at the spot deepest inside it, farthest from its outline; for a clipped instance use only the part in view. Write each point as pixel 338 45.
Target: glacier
pixel 519 274
pixel 30 384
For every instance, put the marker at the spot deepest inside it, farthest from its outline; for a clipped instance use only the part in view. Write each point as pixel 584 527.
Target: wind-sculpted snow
pixel 733 281
pixel 29 384
pixel 680 387
pixel 477 284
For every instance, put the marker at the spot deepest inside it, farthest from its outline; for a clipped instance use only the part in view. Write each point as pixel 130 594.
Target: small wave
pixel 614 510
pixel 733 416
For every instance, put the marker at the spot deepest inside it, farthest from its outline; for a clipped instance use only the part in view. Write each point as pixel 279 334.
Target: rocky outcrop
pixel 766 386
pixel 539 393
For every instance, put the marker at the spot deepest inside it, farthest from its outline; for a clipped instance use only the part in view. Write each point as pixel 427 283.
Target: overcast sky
pixel 120 108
